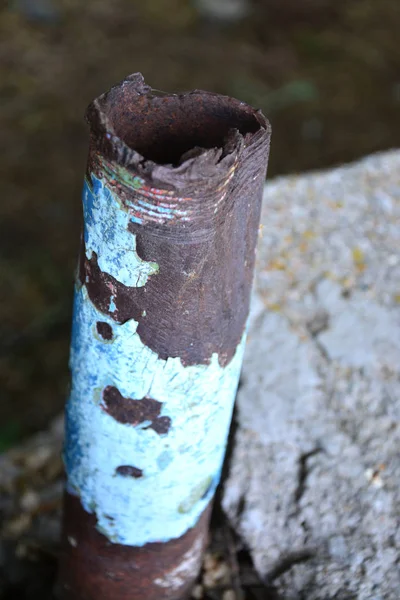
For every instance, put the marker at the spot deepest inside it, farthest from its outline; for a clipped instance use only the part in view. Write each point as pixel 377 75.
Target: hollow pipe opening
pixel 164 127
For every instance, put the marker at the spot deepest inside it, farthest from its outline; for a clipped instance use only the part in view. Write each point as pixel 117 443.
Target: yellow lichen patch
pixel 346 282
pixel 358 258
pixel 276 264
pixel 303 246
pixel 274 307
pixel 329 275
pixel 331 204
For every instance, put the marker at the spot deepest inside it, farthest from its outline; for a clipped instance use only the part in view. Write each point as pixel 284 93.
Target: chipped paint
pixel 167 263
pixel 104 330
pixel 153 205
pixel 129 471
pixel 106 234
pixel 130 410
pixel 180 448
pixel 164 207
pixel 197 399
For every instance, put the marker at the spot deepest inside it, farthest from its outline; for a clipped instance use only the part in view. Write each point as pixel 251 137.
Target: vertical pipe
pixel 171 201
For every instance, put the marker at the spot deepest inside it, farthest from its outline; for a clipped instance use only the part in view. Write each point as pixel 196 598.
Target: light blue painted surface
pixel 106 234
pixel 181 469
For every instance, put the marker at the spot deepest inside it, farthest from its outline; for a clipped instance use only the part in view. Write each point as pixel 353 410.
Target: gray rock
pixel 314 484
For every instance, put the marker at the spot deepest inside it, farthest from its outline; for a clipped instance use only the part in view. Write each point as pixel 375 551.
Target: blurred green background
pixel 325 72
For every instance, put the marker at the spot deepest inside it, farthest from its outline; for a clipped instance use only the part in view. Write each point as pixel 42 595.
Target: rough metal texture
pixel 93 567
pixel 314 486
pixel 189 169
pixel 172 202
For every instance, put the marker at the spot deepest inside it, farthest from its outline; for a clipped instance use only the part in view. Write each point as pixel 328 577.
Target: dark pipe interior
pixel 163 128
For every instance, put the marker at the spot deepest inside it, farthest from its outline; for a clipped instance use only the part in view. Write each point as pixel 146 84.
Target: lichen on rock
pixel 314 480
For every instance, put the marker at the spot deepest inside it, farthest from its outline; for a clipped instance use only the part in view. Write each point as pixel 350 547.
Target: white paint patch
pixel 181 469
pixel 72 541
pixel 106 234
pixel 189 566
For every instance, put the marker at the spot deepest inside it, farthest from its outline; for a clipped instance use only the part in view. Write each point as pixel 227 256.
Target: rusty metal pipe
pixel 171 201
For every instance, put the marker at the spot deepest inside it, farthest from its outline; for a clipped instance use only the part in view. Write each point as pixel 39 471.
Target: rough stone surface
pixel 314 484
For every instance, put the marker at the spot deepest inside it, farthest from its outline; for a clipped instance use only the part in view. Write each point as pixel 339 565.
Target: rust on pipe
pixel 172 200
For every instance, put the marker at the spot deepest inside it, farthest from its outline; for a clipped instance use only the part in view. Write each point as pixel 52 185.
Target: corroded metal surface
pixel 93 567
pixel 171 211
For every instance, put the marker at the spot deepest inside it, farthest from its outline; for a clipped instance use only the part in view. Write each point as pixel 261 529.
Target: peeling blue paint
pixel 106 233
pixel 198 399
pixel 181 469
